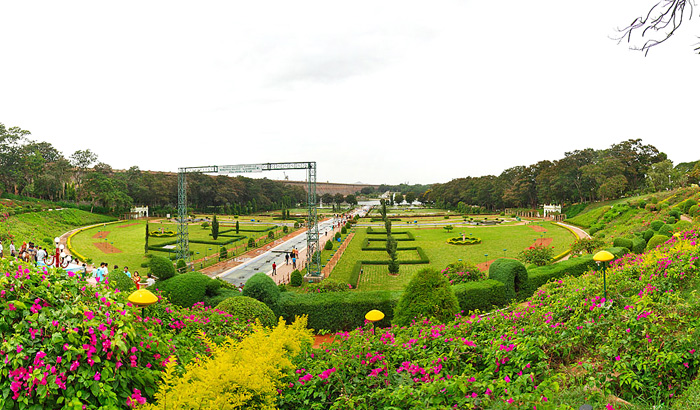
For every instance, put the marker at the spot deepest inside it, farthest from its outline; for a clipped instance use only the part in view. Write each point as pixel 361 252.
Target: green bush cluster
pixel 428 295
pixel 655 225
pixel 189 288
pixel 245 308
pixel 263 288
pixel 656 240
pixel 296 279
pixel 623 242
pixel 327 285
pixel 466 241
pixel 328 246
pixel 511 273
pixel 161 267
pixel 462 272
pixel 483 295
pixel 118 280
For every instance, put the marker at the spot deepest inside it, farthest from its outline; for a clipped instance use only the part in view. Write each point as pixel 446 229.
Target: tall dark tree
pixel 215 228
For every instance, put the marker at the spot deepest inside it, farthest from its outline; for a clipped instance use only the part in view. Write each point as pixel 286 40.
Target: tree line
pixel 39 170
pixel 627 168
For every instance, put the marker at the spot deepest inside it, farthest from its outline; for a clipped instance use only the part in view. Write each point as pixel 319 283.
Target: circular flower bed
pixel 164 234
pixel 466 241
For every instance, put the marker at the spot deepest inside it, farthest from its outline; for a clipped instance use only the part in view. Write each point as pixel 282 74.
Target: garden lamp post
pixel 142 298
pixel 486 257
pixel 374 315
pixel 59 259
pixel 604 256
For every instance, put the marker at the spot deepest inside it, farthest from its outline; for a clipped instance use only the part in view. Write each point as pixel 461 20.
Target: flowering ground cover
pixel 565 346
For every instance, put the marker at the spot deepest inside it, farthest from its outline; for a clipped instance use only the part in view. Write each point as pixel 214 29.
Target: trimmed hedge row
pixel 512 274
pixel 482 295
pixel 372 231
pixel 335 311
pixel 365 246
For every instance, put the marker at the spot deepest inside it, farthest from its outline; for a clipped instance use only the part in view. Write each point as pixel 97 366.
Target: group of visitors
pixel 26 253
pixel 101 273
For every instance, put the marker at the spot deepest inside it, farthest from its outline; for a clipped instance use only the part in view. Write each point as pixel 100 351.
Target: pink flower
pixel 97 376
pixel 609 407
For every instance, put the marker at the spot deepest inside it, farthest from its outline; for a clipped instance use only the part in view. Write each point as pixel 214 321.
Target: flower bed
pixel 466 241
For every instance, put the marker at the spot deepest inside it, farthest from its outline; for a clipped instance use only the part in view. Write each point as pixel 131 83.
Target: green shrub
pixel 656 240
pixel 251 243
pixel 328 246
pixel 337 236
pixel 681 226
pixel 429 295
pixel 638 245
pixel 161 267
pixel 537 277
pixel 223 253
pixel 694 210
pixel 144 264
pixel 483 295
pixel 248 309
pixel 675 213
pixel 327 285
pixel 539 255
pixel 655 225
pixel 271 235
pixel 337 311
pixel 181 265
pixel 296 224
pixel 296 279
pixel 285 229
pixel 648 234
pixel 343 230
pixel 671 220
pixel 221 295
pixel 623 242
pixel 117 279
pixel 188 288
pixel 263 288
pixel 511 273
pixel 666 230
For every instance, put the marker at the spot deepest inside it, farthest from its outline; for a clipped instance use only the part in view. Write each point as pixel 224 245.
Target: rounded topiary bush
pixel 675 213
pixel 296 279
pixel 655 225
pixel 251 243
pixel 162 268
pixel 682 226
pixel 181 265
pixel 328 246
pixel 656 240
pixel 263 288
pixel 245 308
pixel 666 230
pixel 189 288
pixel 638 245
pixel 428 294
pixel 694 210
pixel 343 230
pixel 622 243
pixel 117 279
pixel 648 234
pixel 511 273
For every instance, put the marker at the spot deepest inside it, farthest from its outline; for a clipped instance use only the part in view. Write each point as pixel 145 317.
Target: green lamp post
pixel 604 256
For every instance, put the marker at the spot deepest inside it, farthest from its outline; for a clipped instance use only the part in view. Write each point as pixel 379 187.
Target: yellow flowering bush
pixel 234 375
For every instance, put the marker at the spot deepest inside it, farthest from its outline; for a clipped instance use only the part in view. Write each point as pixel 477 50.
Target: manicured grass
pixel 129 237
pixel 433 241
pixel 42 227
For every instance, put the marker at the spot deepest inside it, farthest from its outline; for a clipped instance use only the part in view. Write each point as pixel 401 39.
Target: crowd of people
pixel 99 274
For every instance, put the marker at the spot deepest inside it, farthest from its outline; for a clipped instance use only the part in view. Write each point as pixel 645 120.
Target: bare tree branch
pixel 659 24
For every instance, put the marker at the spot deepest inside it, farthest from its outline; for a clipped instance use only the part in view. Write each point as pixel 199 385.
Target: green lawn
pixel 42 227
pixel 129 237
pixel 433 241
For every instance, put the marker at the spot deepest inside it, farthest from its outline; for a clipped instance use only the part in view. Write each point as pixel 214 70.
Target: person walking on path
pixel 294 262
pixel 274 269
pixel 286 259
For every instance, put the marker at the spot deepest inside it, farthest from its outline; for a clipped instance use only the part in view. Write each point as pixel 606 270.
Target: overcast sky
pixel 373 91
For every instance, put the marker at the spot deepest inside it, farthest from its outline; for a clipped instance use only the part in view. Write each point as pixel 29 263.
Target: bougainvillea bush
pixel 463 272
pixel 640 345
pixel 66 344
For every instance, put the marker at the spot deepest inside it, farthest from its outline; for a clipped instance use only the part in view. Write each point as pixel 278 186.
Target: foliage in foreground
pixel 236 374
pixel 640 345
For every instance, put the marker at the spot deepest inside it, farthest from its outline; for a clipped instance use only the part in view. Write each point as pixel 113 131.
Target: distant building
pixel 138 212
pixel 552 209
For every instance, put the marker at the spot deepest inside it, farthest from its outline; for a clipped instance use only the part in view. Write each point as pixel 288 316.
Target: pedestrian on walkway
pixel 274 269
pixel 294 262
pixel 286 259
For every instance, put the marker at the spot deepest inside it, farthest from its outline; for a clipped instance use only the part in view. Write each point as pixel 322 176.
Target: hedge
pixel 623 242
pixel 656 240
pixel 429 295
pixel 543 274
pixel 365 246
pixel 638 245
pixel 335 311
pixel 482 295
pixel 189 288
pixel 655 225
pixel 263 288
pixel 246 309
pixel 511 273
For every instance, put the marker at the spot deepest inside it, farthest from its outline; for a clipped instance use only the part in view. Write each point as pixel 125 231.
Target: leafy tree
pixel 351 199
pixel 81 160
pixel 410 197
pixel 338 199
pixel 215 228
pixel 327 198
pixel 237 227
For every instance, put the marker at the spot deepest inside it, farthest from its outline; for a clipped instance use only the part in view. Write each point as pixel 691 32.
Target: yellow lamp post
pixel 604 256
pixel 374 315
pixel 142 298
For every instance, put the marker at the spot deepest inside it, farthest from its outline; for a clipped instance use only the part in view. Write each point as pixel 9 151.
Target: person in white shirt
pixel 13 250
pixel 40 255
pixel 150 281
